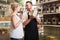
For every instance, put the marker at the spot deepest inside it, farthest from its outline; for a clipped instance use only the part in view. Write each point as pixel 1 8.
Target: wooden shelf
pixel 5 21
pixel 4 27
pixel 52 25
pixel 48 2
pixel 50 13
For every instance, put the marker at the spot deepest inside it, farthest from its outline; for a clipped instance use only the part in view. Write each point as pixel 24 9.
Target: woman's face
pixel 14 6
pixel 28 6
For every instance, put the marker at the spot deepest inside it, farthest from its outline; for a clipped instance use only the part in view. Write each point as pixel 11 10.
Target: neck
pixel 31 11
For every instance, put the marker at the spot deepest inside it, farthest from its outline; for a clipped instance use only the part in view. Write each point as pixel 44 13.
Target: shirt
pixel 25 14
pixel 18 32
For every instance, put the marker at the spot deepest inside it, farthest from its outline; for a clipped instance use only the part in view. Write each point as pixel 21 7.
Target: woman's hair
pixel 14 5
pixel 29 2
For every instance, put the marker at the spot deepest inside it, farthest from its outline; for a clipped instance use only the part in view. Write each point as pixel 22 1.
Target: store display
pixel 47 20
pixel 51 8
pixel 51 19
pixel 5 18
pixel 3 1
pixel 46 1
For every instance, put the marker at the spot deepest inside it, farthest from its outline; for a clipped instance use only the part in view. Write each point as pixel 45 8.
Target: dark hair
pixel 29 2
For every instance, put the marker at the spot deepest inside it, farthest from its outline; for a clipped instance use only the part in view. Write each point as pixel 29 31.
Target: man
pixel 30 22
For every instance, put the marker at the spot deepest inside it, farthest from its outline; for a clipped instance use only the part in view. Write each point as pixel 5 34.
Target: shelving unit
pixel 50 9
pixel 45 1
pixel 5 20
pixel 5 12
pixel 52 25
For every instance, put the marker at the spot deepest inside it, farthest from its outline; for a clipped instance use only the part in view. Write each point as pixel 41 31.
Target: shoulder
pixel 12 14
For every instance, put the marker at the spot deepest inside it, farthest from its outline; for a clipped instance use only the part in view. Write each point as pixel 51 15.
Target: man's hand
pixel 32 17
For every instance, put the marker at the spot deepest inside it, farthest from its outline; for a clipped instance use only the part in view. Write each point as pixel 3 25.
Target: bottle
pixel 44 9
pixel 49 19
pixel 47 10
pixel 45 19
pixel 52 9
pixel 57 9
pixel 59 19
pixel 54 20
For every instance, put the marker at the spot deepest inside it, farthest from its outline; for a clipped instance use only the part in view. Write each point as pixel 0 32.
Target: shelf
pixel 52 25
pixel 5 21
pixel 50 13
pixel 4 27
pixel 5 24
pixel 49 2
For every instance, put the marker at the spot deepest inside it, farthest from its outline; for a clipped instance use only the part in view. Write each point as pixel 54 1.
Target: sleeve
pixel 35 14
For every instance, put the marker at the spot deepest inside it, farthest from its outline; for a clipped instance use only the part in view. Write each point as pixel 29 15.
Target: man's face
pixel 28 6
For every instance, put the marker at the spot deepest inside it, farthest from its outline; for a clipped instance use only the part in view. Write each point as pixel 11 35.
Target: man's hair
pixel 29 2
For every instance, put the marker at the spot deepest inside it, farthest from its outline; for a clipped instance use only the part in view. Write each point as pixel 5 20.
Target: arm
pixel 15 22
pixel 26 22
pixel 38 19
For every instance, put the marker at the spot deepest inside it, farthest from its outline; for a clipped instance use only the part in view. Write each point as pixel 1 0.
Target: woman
pixel 30 21
pixel 16 32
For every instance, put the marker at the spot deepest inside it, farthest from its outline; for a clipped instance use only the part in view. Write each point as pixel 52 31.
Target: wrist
pixel 29 19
